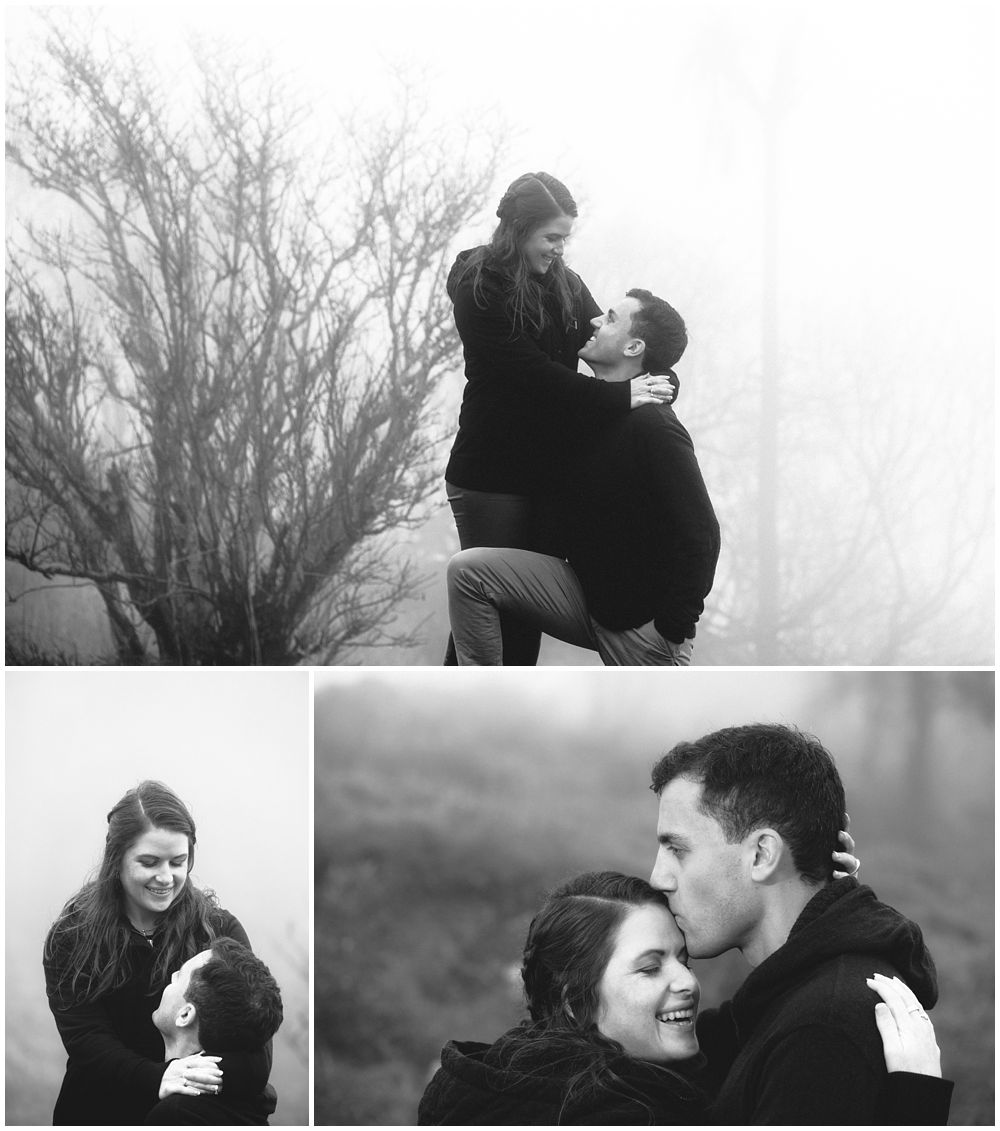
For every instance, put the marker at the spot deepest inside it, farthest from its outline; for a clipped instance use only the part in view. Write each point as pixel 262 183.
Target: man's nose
pixel 597 322
pixel 663 878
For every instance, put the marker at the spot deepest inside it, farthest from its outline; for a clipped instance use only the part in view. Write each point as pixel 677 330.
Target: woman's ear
pixel 566 1005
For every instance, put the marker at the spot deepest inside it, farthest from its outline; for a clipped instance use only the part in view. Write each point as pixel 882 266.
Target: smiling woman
pixel 152 875
pixel 649 997
pixel 112 951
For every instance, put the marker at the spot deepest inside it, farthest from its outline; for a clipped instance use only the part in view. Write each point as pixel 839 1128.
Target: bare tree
pixel 220 369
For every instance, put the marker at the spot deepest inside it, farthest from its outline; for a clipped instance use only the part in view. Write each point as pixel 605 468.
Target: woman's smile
pixel 154 870
pixel 678 1018
pixel 648 996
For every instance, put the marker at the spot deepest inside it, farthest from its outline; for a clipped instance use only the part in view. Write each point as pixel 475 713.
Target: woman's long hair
pixel 89 944
pixel 569 944
pixel 530 201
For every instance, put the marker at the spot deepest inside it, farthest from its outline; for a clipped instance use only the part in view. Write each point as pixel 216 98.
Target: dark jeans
pixel 490 518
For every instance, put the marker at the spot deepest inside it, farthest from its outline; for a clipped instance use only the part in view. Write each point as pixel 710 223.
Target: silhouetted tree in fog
pixel 219 365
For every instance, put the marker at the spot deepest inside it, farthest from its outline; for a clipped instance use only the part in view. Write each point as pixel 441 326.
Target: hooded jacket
pixel 522 390
pixel 521 1080
pixel 798 1042
pixel 115 1051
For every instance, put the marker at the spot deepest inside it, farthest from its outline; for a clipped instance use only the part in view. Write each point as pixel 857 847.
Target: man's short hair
pixel 237 1000
pixel 661 328
pixel 766 776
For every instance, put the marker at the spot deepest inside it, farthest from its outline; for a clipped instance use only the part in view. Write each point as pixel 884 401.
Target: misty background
pixel 235 749
pixel 446 806
pixel 811 187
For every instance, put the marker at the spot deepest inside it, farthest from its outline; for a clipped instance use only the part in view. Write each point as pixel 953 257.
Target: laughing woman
pixel 612 1036
pixel 112 950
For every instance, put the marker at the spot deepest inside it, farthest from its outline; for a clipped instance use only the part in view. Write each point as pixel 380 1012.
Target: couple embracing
pixel 165 1012
pixel 580 507
pixel 829 1027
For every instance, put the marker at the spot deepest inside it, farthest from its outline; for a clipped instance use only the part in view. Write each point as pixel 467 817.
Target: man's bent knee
pixel 466 563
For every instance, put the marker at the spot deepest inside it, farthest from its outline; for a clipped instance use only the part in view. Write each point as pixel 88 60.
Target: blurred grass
pixel 442 816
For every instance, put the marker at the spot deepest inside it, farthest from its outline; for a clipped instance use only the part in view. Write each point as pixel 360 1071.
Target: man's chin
pixel 708 949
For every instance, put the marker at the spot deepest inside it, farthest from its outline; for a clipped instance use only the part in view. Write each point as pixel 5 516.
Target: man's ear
pixel 768 852
pixel 635 347
pixel 187 1016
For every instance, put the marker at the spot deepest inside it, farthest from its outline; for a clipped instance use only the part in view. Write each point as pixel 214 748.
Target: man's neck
pixel 623 370
pixel 181 1042
pixel 784 904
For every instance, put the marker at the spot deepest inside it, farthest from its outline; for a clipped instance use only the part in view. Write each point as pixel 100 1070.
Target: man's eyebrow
pixel 672 838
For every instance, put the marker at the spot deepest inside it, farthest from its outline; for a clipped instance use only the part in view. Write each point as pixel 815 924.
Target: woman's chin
pixel 678 1049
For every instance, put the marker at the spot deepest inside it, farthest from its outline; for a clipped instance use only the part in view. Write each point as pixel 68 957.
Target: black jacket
pixel 633 517
pixel 520 1080
pixel 115 1052
pixel 798 1042
pixel 522 390
pixel 246 1096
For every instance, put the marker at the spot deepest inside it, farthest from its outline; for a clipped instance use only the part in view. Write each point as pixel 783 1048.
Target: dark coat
pixel 522 391
pixel 521 1080
pixel 115 1052
pixel 634 520
pixel 246 1096
pixel 798 1042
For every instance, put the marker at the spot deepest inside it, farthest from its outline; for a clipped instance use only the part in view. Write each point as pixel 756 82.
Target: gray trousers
pixel 545 592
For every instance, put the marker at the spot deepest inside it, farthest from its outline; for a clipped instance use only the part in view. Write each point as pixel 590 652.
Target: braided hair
pixel 567 950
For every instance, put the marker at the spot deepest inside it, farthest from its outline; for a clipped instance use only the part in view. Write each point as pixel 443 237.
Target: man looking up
pixel 748 819
pixel 223 1002
pixel 633 534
